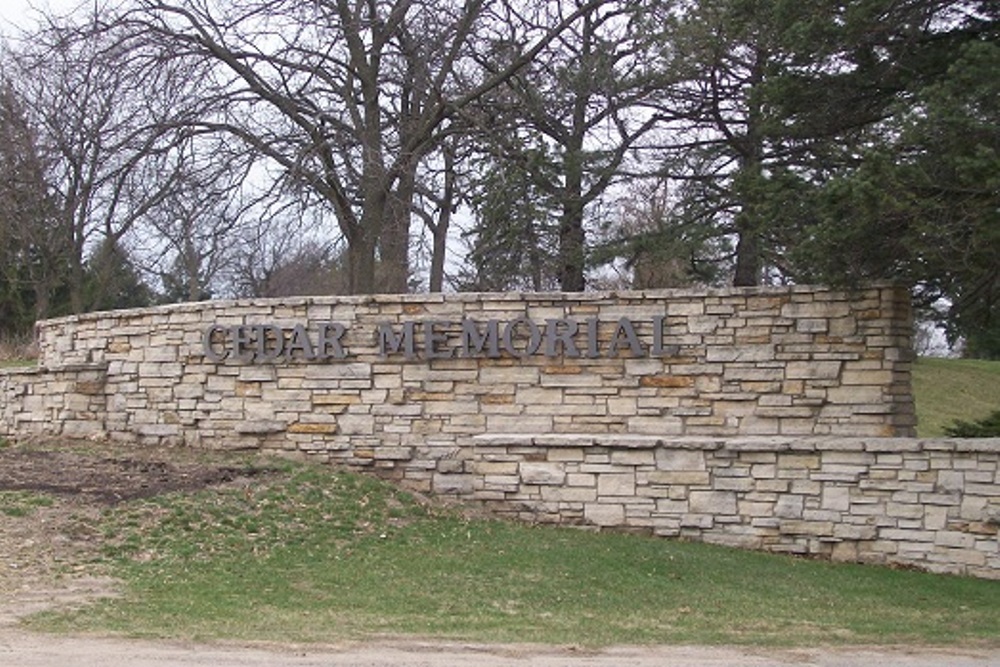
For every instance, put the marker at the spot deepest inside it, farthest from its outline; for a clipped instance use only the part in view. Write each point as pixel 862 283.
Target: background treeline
pixel 171 150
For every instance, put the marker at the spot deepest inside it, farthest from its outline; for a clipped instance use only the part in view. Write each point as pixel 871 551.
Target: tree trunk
pixel 747 272
pixel 440 230
pixel 394 240
pixel 361 262
pixel 571 235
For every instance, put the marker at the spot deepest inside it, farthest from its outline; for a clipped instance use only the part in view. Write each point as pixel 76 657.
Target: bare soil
pixel 47 555
pixel 47 560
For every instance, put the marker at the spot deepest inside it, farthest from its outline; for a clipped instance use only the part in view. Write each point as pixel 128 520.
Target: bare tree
pixel 107 117
pixel 285 254
pixel 192 241
pixel 347 97
pixel 31 251
pixel 584 110
pixel 436 202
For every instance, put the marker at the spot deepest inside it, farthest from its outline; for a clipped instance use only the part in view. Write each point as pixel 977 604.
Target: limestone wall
pixel 932 504
pixel 403 372
pixel 477 395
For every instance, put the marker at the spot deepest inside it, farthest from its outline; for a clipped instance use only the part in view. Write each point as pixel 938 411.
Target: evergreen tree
pixel 112 281
pixel 513 243
pixel 918 198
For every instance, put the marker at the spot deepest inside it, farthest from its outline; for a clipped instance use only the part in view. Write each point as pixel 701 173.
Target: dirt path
pixel 20 649
pixel 39 552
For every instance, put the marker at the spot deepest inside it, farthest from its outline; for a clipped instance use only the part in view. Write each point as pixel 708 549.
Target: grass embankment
pixel 950 389
pixel 17 351
pixel 316 555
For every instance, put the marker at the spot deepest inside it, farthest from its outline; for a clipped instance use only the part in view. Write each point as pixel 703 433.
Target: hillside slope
pixel 950 389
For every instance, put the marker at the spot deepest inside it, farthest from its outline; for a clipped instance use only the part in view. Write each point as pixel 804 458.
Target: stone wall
pixel 932 504
pixel 789 361
pixel 415 388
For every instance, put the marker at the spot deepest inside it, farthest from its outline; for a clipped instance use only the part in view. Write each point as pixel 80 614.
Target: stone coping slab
pixel 739 444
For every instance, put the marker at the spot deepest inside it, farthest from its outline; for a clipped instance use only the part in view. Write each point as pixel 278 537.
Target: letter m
pixel 390 343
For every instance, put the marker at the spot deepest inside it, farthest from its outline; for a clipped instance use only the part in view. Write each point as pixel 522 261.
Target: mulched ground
pixel 108 478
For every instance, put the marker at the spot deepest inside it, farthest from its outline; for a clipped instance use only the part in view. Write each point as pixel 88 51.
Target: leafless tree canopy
pixel 223 147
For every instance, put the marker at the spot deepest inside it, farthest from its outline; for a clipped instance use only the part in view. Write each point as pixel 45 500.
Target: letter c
pixel 208 348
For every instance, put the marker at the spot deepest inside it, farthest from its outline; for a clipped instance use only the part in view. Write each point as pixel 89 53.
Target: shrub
pixel 988 427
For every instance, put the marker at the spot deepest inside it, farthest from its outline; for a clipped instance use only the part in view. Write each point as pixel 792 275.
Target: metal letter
pixel 265 334
pixel 593 352
pixel 534 338
pixel 432 338
pixel 242 342
pixel 330 335
pixel 389 342
pixel 659 349
pixel 625 333
pixel 553 335
pixel 207 340
pixel 300 343
pixel 474 343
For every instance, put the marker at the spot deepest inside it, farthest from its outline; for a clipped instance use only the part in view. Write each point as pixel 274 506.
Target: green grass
pixel 18 363
pixel 313 555
pixel 950 389
pixel 316 555
pixel 22 503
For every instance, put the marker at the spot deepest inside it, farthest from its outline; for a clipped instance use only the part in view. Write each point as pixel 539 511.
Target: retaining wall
pixel 932 504
pixel 488 396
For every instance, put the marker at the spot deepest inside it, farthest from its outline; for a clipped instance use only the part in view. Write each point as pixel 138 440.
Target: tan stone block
pixel 574 454
pixel 604 514
pixel 633 458
pixel 773 485
pixel 763 471
pixel 496 375
pixel 494 467
pixel 855 395
pixel 452 484
pixel 497 399
pixel 680 459
pixel 313 428
pixel 878 378
pixel 568 494
pixel 519 424
pixel 844 552
pixel 356 424
pixel 712 502
pixel 562 369
pixel 542 473
pixel 248 389
pixel 679 477
pixel 581 479
pixel 812 370
pixel 747 508
pixel 505 483
pixel 798 461
pixel 836 498
pixel 393 453
pixel 428 396
pixel 622 406
pixel 666 381
pixel 616 484
pixel 817 528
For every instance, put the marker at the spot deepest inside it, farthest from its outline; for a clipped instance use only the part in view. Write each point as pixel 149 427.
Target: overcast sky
pixel 20 12
pixel 14 12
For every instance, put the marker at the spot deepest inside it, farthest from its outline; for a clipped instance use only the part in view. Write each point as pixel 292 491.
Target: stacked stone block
pixel 590 433
pixel 932 504
pixel 789 361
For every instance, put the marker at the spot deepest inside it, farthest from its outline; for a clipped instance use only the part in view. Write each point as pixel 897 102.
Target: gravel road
pixel 23 649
